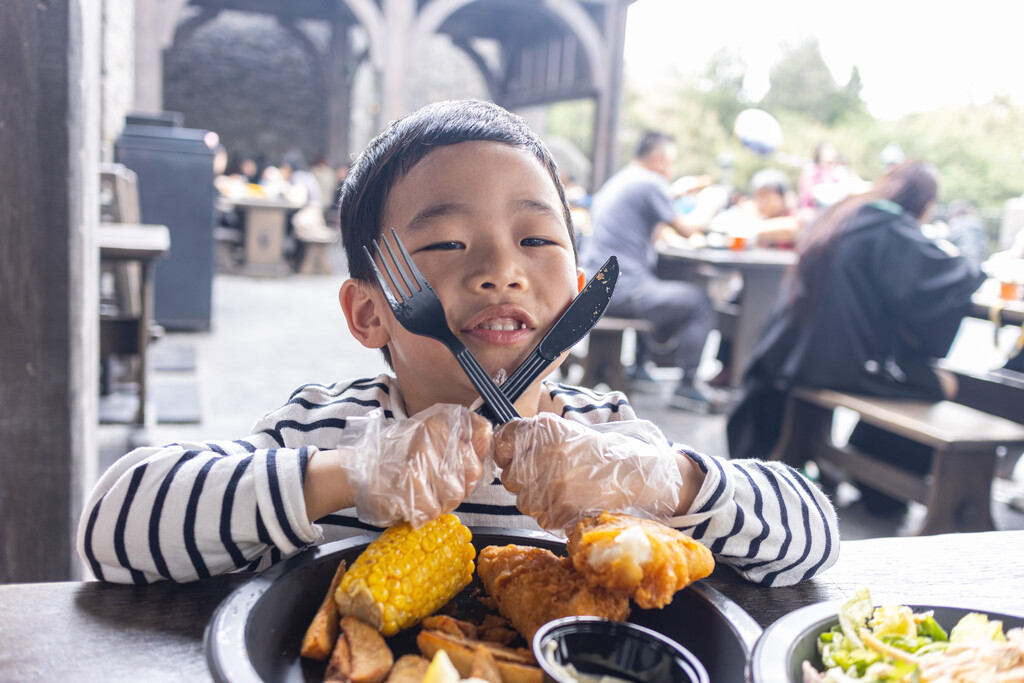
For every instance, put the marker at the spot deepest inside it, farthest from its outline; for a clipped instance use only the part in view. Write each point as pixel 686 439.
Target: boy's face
pixel 484 223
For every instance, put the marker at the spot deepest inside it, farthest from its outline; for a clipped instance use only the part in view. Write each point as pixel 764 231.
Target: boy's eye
pixel 443 246
pixel 535 242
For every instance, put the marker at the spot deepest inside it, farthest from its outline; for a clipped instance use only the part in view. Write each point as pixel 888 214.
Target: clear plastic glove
pixel 563 471
pixel 416 469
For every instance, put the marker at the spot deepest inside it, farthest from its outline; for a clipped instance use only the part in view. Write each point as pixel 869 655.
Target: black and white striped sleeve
pixel 190 511
pixel 764 519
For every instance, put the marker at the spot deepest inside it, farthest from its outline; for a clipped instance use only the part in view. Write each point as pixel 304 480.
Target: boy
pixel 475 197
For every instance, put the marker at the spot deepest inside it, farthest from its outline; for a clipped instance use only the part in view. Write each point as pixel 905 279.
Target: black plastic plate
pixel 256 632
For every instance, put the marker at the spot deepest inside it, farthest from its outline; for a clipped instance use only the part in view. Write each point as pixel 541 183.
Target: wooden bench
pixel 314 256
pixel 966 442
pixel 603 362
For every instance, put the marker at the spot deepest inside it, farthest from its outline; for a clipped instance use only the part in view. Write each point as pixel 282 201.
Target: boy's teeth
pixel 503 324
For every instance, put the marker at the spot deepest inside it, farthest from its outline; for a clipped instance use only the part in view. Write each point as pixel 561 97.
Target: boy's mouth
pixel 501 325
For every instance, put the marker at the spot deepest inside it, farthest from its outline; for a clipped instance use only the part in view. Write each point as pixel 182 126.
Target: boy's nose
pixel 499 272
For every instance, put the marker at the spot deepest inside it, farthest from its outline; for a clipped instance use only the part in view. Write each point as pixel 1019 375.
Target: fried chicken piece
pixel 532 586
pixel 638 558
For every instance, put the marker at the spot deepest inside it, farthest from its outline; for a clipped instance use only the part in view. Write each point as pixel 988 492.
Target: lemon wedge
pixel 441 670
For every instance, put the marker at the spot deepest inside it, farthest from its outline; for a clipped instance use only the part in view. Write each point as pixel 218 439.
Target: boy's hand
pixel 424 467
pixel 562 471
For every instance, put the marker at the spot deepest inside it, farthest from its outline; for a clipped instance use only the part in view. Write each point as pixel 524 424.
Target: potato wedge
pixel 323 630
pixel 515 665
pixel 340 666
pixel 485 667
pixel 371 656
pixel 408 669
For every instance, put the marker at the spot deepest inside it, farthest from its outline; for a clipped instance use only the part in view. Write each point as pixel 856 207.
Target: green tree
pixel 800 82
pixel 721 88
pixel 977 149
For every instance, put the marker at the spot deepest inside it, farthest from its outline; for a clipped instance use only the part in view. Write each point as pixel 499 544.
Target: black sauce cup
pixel 596 647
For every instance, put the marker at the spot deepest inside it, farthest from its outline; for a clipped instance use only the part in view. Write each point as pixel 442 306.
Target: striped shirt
pixel 192 510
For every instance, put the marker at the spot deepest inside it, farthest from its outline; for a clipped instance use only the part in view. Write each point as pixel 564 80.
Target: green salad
pixel 892 643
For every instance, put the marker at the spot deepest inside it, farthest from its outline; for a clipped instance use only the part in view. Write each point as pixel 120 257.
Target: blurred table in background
pixel 128 254
pixel 265 228
pixel 742 321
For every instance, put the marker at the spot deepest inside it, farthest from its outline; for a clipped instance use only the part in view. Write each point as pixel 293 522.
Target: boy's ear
pixel 581 280
pixel 361 313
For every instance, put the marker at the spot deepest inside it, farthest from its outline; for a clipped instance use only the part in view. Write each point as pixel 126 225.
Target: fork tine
pixel 384 286
pixel 420 280
pixel 396 281
pixel 404 272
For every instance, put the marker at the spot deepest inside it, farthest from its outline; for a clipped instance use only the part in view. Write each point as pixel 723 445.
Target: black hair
pixel 403 144
pixel 650 141
pixel 912 185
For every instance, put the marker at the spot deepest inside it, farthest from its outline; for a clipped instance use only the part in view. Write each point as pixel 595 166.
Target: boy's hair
pixel 403 144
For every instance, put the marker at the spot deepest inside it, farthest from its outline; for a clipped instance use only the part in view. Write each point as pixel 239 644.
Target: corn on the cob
pixel 407 574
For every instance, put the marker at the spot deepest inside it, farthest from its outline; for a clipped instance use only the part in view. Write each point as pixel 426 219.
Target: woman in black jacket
pixel 870 305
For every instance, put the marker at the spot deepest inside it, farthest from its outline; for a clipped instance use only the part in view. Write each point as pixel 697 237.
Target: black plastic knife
pixel 583 313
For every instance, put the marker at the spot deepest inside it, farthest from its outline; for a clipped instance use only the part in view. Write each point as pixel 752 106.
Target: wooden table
pixel 762 271
pixel 131 252
pixel 98 632
pixel 265 223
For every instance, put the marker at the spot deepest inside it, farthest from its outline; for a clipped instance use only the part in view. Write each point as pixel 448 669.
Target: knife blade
pixel 578 319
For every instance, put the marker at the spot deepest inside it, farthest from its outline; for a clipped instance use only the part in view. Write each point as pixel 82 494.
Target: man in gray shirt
pixel 625 217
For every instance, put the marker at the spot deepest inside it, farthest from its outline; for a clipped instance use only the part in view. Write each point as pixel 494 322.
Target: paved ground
pixel 270 336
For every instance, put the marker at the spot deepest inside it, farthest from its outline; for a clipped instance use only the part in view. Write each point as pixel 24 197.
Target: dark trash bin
pixel 174 167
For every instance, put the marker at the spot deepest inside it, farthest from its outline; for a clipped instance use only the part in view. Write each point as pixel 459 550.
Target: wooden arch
pixel 550 51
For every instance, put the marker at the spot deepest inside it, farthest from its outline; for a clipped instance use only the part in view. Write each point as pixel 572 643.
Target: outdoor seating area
pixel 431 341
pixel 228 407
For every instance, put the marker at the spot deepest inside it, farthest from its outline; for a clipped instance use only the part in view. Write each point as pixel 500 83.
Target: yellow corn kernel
pixel 407 574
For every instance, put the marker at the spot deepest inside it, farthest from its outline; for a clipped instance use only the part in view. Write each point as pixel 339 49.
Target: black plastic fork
pixel 417 307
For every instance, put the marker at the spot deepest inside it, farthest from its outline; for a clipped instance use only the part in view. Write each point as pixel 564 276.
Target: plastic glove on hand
pixel 419 468
pixel 563 471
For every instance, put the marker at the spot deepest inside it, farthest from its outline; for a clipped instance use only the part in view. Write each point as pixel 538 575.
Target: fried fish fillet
pixel 532 586
pixel 639 558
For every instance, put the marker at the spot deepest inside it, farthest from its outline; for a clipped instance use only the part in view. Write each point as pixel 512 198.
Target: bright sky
pixel 913 55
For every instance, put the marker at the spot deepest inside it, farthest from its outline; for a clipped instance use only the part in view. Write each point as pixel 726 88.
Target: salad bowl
pixel 779 654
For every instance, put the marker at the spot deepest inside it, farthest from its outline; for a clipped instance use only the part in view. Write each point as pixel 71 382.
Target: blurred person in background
pixel 308 223
pixel 327 180
pixel 770 216
pixel 770 219
pixel 871 304
pixel 827 179
pixel 966 231
pixel 625 217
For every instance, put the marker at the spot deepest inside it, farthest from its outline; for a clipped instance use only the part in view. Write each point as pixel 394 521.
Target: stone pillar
pixel 49 280
pixel 117 71
pixel 155 21
pixel 399 17
pixel 337 68
pixel 609 95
